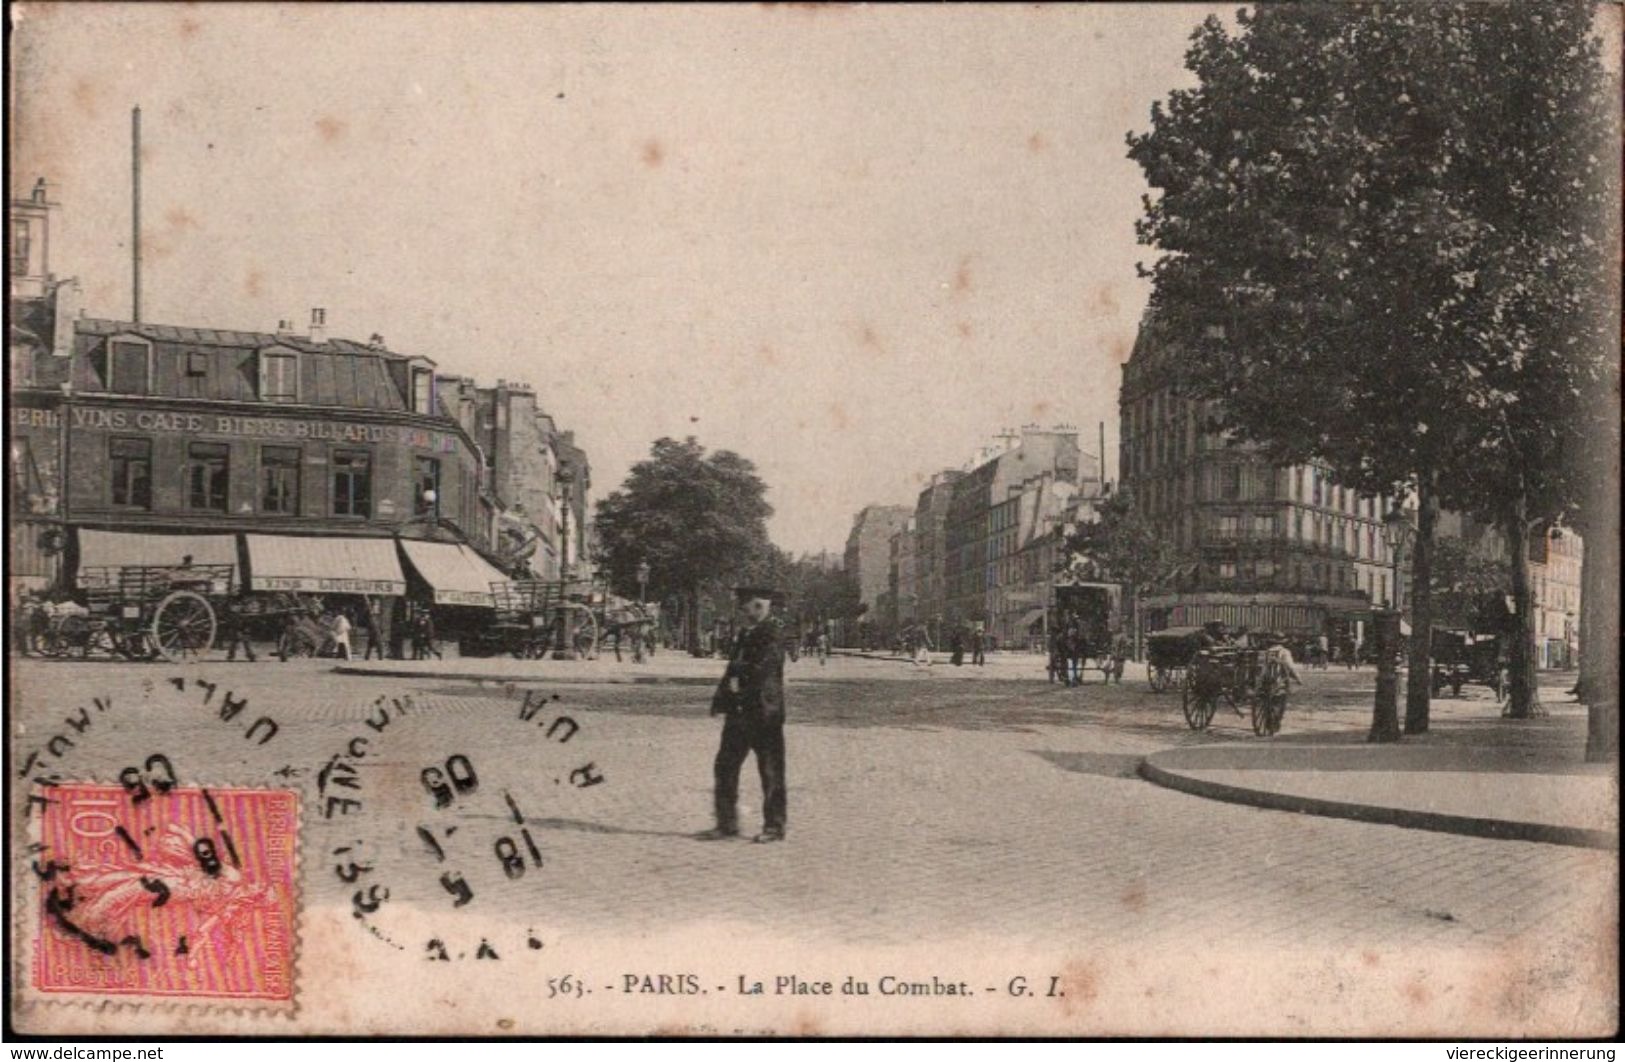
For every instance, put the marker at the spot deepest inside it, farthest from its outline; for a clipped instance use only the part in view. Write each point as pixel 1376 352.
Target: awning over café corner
pixel 456 574
pixel 324 565
pixel 1030 619
pixel 118 549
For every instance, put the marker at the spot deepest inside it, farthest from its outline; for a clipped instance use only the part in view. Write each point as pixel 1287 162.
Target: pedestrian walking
pixel 823 648
pixel 340 629
pixel 234 632
pixel 375 637
pixel 956 648
pixel 751 698
pixel 978 647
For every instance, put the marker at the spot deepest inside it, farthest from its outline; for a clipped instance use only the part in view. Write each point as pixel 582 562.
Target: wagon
pixel 1238 677
pixel 532 616
pixel 1462 658
pixel 143 612
pixel 1082 624
pixel 1168 655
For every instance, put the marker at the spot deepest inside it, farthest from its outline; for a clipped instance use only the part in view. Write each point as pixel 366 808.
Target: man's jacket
pixel 754 681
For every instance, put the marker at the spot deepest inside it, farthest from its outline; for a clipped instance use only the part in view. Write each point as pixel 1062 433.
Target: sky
pixel 849 243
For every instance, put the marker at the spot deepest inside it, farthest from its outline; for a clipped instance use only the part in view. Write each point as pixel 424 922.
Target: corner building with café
pixel 309 464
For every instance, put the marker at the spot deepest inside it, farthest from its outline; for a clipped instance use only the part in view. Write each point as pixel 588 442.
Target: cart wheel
pixel 1269 708
pixel 584 639
pixel 1197 705
pixel 183 626
pixel 72 632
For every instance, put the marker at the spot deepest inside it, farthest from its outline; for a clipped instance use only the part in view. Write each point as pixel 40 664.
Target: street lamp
pixel 643 581
pixel 566 635
pixel 1397 533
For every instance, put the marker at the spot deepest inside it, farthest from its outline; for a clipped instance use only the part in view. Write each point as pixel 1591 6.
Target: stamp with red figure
pixel 167 893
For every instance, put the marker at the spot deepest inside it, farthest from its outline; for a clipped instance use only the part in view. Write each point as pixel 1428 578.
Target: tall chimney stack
pixel 318 325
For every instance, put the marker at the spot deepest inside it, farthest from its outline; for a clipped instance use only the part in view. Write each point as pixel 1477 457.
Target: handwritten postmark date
pixel 151 889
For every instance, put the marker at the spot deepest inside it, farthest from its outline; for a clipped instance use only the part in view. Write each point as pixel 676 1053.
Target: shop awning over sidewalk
pixel 456 574
pixel 324 565
pixel 1030 619
pixel 117 549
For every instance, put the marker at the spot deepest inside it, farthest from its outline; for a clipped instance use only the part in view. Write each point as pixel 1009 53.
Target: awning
pixel 1031 617
pixel 324 565
pixel 456 574
pixel 117 549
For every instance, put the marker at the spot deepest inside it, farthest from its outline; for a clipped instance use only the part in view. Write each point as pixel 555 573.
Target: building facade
pixel 904 582
pixel 997 511
pixel 868 552
pixel 142 443
pixel 931 549
pixel 1262 546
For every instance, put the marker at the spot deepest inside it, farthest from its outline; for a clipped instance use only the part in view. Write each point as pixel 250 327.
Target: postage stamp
pixel 148 889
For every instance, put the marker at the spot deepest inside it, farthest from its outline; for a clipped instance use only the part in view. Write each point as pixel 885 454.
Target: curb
pixel 551 677
pixel 1438 822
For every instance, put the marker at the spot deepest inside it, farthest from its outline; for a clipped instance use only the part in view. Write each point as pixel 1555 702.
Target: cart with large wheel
pixel 1168 656
pixel 147 612
pixel 534 617
pixel 1241 678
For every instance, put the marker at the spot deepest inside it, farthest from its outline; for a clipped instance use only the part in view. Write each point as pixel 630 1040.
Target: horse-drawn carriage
pixel 533 617
pixel 1463 658
pixel 1083 624
pixel 1239 676
pixel 1168 655
pixel 141 612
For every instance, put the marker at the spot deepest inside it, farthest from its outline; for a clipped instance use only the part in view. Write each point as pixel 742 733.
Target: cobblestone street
pixel 955 797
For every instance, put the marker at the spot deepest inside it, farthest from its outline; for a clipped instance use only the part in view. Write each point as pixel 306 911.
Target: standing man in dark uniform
pixel 751 696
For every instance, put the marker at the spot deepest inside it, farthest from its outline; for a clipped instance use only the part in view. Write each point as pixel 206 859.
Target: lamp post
pixel 1396 533
pixel 643 581
pixel 566 636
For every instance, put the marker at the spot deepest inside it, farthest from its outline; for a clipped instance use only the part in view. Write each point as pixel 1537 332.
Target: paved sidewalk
pixel 1486 777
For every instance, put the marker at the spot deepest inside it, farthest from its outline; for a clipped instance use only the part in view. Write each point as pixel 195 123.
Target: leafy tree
pixel 1464 577
pixel 1350 232
pixel 1121 546
pixel 699 521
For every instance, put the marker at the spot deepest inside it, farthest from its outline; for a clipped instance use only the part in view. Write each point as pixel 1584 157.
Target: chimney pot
pixel 318 325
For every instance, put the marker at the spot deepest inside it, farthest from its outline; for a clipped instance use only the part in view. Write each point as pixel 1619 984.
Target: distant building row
pixel 981 544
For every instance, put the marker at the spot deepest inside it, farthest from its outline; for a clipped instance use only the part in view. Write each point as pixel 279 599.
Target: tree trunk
pixel 1599 594
pixel 1524 696
pixel 693 620
pixel 1419 683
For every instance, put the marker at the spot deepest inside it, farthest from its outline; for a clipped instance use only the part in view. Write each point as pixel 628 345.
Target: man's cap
pixel 742 594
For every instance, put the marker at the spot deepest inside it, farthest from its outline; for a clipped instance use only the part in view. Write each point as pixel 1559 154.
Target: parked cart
pixel 1238 678
pixel 1168 655
pixel 534 616
pixel 142 612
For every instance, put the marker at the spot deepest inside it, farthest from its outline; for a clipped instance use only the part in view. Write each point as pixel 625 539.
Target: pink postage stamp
pixel 169 893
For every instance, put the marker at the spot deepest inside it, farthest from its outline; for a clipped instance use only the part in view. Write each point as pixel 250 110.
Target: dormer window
pixel 129 365
pixel 422 390
pixel 279 376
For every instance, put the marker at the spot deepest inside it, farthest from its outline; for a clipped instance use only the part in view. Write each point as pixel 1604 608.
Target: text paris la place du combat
pixel 687 984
